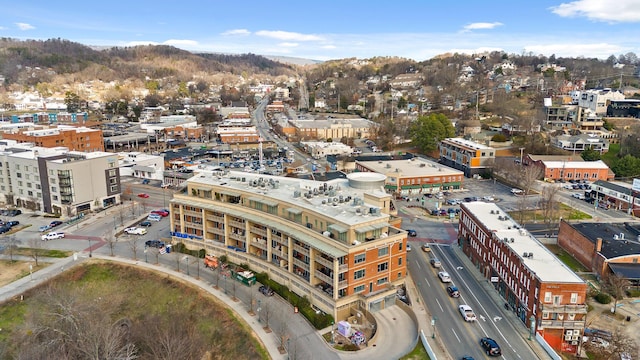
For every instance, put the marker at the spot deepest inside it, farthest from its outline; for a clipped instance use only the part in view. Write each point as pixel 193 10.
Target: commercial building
pixel 541 290
pixel 615 195
pixel 414 176
pixel 604 248
pixel 141 165
pixel 72 137
pixel 56 180
pixel 470 157
pixel 331 241
pixel 565 168
pixel 322 128
pixel 596 100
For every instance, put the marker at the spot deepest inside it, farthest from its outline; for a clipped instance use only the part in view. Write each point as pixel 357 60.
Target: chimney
pixel 598 244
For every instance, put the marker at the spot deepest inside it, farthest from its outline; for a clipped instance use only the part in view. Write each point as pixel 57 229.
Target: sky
pixel 329 29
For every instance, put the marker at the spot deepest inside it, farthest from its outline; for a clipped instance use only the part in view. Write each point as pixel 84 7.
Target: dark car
pixel 55 223
pixel 412 233
pixel 12 223
pixel 14 212
pixel 145 223
pixel 154 243
pixel 467 358
pixel 265 290
pixel 4 229
pixel 490 346
pixel 453 291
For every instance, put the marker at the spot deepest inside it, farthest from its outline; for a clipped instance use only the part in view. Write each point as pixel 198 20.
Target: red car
pixel 162 213
pixel 143 195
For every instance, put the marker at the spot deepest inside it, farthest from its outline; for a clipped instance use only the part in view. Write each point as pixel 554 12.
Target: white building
pixel 56 180
pixel 596 100
pixel 320 149
pixel 141 165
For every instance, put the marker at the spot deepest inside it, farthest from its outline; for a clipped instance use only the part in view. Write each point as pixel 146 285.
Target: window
pixel 360 258
pixel 19 175
pixel 557 299
pixel 54 189
pixel 400 261
pixel 545 314
pixel 359 274
pixel 383 267
pixel 547 297
pixel 383 251
pixel 574 298
pixel 55 197
pixel 400 246
pixel 383 280
pixel 30 193
pixel 358 289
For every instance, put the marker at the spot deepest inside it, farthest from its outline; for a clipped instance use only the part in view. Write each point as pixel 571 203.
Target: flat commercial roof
pixel 414 167
pixel 546 266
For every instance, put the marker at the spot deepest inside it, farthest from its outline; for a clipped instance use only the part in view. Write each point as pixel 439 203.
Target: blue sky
pixel 323 30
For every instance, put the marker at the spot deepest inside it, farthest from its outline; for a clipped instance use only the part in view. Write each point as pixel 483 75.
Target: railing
pixel 301 249
pixel 562 324
pixel 343 267
pixel 215 218
pixel 238 237
pixel 323 277
pixel 326 262
pixel 192 213
pixel 259 231
pixel 237 224
pixel 301 263
pixel 573 309
pixel 215 230
pixel 342 284
pixel 261 244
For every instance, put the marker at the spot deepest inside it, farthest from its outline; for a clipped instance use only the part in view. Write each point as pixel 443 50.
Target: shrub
pixel 603 298
pixel 633 293
pixel 499 138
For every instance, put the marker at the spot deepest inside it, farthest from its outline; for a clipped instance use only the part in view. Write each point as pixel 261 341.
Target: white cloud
pixel 139 43
pixel 598 10
pixel 3 28
pixel 329 47
pixel 481 26
pixel 288 44
pixel 178 43
pixel 600 50
pixel 236 32
pixel 288 36
pixel 25 26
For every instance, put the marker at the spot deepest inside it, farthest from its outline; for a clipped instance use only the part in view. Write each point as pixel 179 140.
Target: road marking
pixel 459 268
pixel 427 280
pixel 497 318
pixel 454 333
pixel 441 309
pixel 482 318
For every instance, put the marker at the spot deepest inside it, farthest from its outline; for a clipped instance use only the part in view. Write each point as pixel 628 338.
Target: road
pixel 460 338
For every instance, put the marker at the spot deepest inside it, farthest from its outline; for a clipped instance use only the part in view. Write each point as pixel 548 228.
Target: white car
pixel 467 313
pixel 52 236
pixel 135 231
pixel 154 217
pixel 444 277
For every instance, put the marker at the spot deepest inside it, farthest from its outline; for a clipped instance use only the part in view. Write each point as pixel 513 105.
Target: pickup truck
pixel 135 231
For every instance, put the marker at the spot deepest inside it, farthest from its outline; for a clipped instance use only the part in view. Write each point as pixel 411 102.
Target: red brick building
pixel 74 138
pixel 537 286
pixel 604 248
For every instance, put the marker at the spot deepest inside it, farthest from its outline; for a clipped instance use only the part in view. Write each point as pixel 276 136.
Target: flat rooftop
pixel 468 143
pixel 618 239
pixel 341 200
pixel 413 167
pixel 546 266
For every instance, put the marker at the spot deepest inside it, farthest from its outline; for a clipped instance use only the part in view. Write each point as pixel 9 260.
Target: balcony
pixel 260 244
pixel 570 309
pixel 323 277
pixel 215 218
pixel 343 284
pixel 238 224
pixel 343 267
pixel 192 213
pixel 301 249
pixel 301 264
pixel 326 262
pixel 215 230
pixel 259 231
pixel 238 237
pixel 562 324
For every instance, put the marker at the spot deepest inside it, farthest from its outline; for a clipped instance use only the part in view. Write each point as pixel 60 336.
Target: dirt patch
pixel 11 271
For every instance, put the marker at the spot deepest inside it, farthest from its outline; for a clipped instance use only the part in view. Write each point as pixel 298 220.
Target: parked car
pixel 154 217
pixel 55 223
pixel 44 228
pixel 467 313
pixel 12 223
pixel 408 247
pixel 490 346
pixel 453 291
pixel 4 229
pixel 426 248
pixel 143 195
pixel 412 233
pixel 135 231
pixel 154 243
pixel 52 236
pixel 435 263
pixel 160 212
pixel 145 223
pixel 444 276
pixel 11 212
pixel 265 290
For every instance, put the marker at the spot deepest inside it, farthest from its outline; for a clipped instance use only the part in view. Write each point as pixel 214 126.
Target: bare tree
pixel 548 202
pixel 168 339
pixel 266 312
pixel 616 285
pixel 111 239
pixel 71 324
pixel 133 245
pixel 35 248
pixel 611 348
pixel 12 245
pixel 527 177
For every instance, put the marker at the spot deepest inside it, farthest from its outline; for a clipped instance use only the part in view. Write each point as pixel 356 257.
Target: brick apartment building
pixel 537 286
pixel 73 138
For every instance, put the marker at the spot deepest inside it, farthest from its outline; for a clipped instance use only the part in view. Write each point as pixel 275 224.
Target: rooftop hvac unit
pixel 500 218
pixel 493 212
pixel 423 165
pixel 296 194
pixel 505 239
pixel 525 255
pixel 324 202
pixel 512 240
pixel 530 255
pixel 388 166
pixel 615 236
pixel 358 211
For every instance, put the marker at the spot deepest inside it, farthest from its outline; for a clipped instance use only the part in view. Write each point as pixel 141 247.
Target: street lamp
pixel 145 255
pixel 332 338
pixel 433 323
pixel 259 308
pixel 90 254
